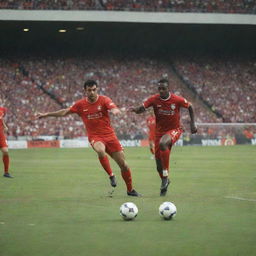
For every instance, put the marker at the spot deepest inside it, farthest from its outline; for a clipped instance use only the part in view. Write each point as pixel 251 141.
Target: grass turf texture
pixel 57 205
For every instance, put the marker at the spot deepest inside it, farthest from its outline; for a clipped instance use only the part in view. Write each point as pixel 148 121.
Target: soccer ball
pixel 128 211
pixel 167 210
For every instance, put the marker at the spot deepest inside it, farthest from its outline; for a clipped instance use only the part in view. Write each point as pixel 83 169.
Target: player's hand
pixel 116 111
pixel 6 129
pixel 137 110
pixel 131 109
pixel 193 128
pixel 40 115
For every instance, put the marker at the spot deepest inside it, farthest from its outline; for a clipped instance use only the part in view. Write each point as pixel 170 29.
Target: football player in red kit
pixel 94 111
pixel 166 107
pixel 3 143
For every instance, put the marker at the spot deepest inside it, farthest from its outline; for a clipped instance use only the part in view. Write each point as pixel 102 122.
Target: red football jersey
pixel 95 115
pixel 167 111
pixel 2 114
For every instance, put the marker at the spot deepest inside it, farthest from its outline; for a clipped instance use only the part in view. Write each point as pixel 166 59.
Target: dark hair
pixel 90 83
pixel 163 81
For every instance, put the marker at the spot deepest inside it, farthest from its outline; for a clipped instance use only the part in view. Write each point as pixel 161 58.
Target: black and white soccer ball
pixel 128 211
pixel 167 210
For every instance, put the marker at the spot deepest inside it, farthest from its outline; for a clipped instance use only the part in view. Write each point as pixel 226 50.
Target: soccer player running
pixel 3 143
pixel 166 106
pixel 94 111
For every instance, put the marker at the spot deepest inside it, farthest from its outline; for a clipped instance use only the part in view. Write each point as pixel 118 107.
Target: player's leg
pixel 165 145
pixel 100 148
pixel 152 147
pixel 6 161
pixel 119 158
pixel 159 167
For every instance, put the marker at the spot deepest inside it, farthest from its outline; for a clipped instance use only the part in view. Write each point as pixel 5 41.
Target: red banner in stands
pixel 43 144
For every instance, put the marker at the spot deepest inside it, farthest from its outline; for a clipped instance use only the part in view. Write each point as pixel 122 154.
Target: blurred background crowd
pixel 216 6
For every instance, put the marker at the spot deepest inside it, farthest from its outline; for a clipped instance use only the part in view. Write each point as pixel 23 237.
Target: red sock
pixel 106 165
pixel 127 177
pixel 165 157
pixel 6 163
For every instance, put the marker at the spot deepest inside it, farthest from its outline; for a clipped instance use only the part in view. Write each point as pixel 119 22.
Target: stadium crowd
pixel 211 6
pixel 229 86
pixel 30 85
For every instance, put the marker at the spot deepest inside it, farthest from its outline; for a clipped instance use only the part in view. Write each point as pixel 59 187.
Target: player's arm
pixel 138 110
pixel 59 113
pixel 115 111
pixel 192 119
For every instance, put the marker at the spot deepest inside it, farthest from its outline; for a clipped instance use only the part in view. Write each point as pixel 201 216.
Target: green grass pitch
pixel 57 204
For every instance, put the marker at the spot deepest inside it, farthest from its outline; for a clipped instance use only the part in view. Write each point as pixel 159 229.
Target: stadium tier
pixel 31 85
pixel 210 6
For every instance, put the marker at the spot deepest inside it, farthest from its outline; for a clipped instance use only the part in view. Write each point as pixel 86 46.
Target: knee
pixel 101 153
pixel 123 166
pixel 163 146
pixel 5 152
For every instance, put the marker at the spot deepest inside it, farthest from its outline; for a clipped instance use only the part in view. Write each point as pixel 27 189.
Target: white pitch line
pixel 240 198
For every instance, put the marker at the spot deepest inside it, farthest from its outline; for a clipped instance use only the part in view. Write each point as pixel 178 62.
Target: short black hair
pixel 163 81
pixel 90 83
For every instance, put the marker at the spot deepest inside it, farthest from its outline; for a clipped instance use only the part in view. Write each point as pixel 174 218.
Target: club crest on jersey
pixel 173 106
pixel 99 108
pixel 159 106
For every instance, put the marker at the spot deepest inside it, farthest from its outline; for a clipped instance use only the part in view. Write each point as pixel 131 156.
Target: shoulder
pixel 80 102
pixel 77 105
pixel 104 98
pixel 153 97
pixel 176 97
pixel 180 100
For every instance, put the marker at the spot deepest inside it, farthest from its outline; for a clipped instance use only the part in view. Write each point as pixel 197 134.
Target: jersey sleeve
pixel 74 108
pixel 109 103
pixel 183 102
pixel 149 102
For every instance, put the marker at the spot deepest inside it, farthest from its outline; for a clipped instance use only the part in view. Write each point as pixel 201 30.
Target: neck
pixel 93 100
pixel 165 96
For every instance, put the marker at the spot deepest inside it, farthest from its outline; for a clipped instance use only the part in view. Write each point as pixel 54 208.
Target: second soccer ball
pixel 128 211
pixel 167 210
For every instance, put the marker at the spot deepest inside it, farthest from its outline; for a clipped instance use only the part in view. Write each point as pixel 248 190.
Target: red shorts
pixel 3 142
pixel 175 135
pixel 111 143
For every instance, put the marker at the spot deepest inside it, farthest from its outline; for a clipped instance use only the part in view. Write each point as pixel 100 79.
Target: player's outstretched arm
pixel 192 118
pixel 138 110
pixel 115 111
pixel 59 113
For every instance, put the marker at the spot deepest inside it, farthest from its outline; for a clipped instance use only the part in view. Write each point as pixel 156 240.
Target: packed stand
pixel 127 82
pixel 22 96
pixel 228 85
pixel 210 6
